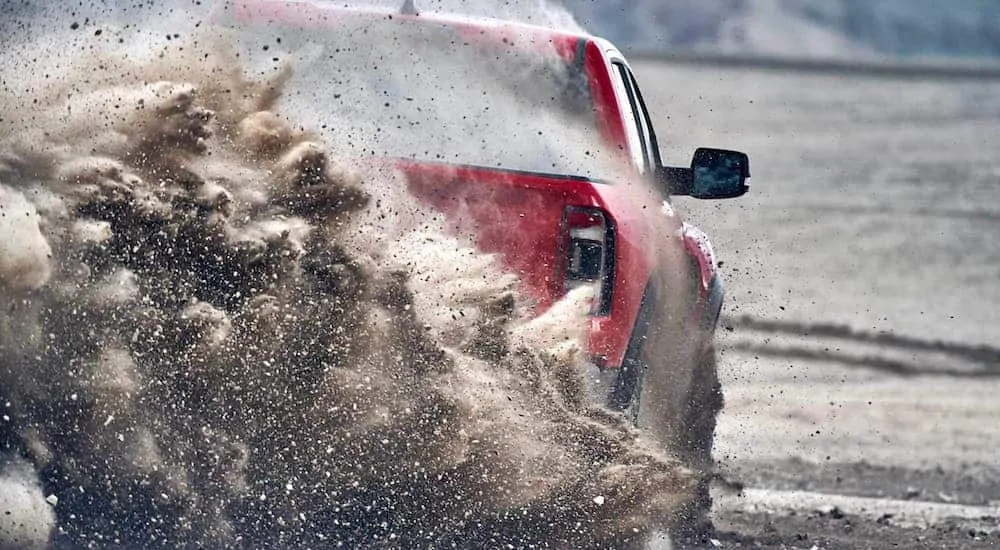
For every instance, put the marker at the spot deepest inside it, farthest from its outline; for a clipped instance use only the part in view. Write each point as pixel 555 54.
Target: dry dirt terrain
pixel 859 345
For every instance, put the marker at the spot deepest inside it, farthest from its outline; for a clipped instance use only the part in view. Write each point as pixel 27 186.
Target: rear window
pixel 429 91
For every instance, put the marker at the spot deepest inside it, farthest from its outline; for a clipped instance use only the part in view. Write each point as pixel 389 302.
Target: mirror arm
pixel 677 180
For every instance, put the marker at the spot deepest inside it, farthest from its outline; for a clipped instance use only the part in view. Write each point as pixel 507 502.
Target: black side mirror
pixel 714 174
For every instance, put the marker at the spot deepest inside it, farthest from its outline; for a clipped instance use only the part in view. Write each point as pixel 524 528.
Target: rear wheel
pixel 693 439
pixel 694 442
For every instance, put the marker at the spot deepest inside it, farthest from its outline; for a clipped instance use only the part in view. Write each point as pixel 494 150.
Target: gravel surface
pixel 858 351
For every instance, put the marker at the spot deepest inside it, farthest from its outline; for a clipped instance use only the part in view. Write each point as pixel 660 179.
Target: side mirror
pixel 714 174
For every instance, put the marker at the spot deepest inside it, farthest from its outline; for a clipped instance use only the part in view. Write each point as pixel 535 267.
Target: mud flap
pixel 628 383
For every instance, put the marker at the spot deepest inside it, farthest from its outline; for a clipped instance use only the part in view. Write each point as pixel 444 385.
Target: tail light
pixel 588 242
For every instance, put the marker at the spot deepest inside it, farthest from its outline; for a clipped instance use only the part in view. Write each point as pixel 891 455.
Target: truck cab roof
pixel 317 14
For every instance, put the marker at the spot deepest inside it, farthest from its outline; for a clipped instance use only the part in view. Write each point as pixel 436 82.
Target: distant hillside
pixel 842 29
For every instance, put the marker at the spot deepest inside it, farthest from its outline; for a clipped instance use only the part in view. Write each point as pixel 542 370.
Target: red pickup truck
pixel 538 142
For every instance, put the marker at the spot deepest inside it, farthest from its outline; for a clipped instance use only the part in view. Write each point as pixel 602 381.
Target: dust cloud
pixel 216 332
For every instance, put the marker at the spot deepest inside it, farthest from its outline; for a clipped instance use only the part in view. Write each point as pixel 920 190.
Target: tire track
pixel 904 513
pixel 933 357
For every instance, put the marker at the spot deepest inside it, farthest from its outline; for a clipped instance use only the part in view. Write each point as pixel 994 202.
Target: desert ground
pixel 859 345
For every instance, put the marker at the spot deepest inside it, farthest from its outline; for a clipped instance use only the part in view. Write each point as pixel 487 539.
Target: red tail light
pixel 588 245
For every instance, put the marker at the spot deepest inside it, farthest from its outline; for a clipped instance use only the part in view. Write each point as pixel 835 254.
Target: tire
pixel 693 525
pixel 694 439
pixel 696 436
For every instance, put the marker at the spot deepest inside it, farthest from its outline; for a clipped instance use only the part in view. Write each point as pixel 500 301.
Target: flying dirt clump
pixel 195 350
pixel 24 252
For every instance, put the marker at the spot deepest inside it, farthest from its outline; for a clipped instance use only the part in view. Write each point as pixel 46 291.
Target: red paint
pixel 609 113
pixel 518 215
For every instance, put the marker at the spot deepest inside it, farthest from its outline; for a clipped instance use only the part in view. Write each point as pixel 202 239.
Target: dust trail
pixel 201 344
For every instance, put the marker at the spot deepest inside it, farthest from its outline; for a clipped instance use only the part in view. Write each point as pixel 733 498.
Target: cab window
pixel 652 147
pixel 637 147
pixel 638 125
